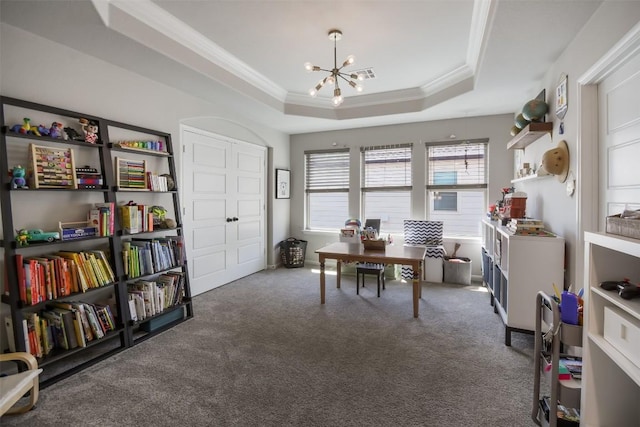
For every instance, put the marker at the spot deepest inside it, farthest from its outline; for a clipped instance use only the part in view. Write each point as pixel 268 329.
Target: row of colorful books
pixel 52 276
pixel 136 218
pixel 147 256
pixel 63 325
pixel 148 298
pixel 102 217
pixel 157 182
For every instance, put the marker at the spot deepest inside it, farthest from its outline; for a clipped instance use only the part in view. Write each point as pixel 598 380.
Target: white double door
pixel 224 185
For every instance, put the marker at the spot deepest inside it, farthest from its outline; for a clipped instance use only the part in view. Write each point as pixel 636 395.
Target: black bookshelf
pixel 13 148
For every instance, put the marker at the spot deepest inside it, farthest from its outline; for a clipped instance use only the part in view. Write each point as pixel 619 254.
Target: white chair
pixel 13 387
pixel 429 234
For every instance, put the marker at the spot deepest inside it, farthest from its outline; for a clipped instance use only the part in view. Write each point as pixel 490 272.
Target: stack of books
pixel 526 227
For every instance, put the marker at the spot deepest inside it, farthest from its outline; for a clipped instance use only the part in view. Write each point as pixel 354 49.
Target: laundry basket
pixel 292 252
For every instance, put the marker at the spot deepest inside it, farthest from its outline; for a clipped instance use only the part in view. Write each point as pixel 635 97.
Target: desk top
pixel 392 254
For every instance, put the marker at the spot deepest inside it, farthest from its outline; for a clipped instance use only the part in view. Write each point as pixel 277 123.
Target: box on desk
pixel 374 245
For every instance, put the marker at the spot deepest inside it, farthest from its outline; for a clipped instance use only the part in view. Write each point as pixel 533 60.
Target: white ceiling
pixel 432 59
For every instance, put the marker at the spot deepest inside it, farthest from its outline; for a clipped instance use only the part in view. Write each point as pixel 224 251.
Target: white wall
pixel 38 70
pixel 496 128
pixel 547 199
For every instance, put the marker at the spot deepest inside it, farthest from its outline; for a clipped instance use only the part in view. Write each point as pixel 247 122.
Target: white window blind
pixel 457 185
pixel 465 160
pixel 386 167
pixel 327 189
pixel 327 171
pixel 386 185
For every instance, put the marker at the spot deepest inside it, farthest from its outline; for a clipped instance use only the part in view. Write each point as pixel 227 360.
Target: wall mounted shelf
pixel 532 177
pixel 530 134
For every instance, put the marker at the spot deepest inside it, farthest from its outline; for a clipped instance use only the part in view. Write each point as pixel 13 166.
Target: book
pixel 59 333
pixel 573 364
pixel 22 284
pixel 92 317
pixel 70 330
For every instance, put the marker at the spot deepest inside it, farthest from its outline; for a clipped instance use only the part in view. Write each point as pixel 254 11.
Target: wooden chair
pixel 368 267
pixel 13 387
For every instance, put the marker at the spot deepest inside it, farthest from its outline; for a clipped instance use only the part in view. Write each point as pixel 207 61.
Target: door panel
pixel 619 140
pixel 225 184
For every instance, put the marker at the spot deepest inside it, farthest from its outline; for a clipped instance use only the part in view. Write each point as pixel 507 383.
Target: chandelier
pixel 335 74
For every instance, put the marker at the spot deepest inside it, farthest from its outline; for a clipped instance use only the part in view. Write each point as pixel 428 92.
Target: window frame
pixel 408 177
pixel 339 188
pixel 457 188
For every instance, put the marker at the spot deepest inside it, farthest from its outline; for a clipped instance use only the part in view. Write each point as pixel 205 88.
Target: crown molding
pixel 141 20
pixel 174 31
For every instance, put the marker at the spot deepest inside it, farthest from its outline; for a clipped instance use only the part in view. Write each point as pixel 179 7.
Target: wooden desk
pixel 349 252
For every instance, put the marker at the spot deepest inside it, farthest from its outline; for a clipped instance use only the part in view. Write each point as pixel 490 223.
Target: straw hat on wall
pixel 556 161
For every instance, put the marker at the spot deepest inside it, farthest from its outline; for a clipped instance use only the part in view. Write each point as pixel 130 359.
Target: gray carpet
pixel 263 351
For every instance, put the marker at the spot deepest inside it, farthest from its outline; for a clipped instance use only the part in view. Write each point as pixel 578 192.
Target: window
pixel 327 189
pixel 445 200
pixel 386 185
pixel 457 185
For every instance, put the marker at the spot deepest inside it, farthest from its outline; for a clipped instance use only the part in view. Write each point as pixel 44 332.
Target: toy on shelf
pixel 23 128
pixel 90 129
pixel 18 180
pixel 160 220
pixel 22 237
pixel 71 133
pixel 44 131
pixel 55 131
pixel 36 235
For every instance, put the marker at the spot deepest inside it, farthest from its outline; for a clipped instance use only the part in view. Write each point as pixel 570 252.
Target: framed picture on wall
pixel 283 183
pixel 562 103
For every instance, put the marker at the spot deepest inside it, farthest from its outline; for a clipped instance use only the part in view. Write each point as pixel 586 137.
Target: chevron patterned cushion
pixel 418 232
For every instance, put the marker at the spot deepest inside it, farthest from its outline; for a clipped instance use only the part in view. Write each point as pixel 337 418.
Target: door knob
pixel 229 219
pixel 235 219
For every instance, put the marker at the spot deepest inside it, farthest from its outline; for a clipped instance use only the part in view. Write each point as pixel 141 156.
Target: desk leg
pixel 339 275
pixel 417 290
pixel 322 279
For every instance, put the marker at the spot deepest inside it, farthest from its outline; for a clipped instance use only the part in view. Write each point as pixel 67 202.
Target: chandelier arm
pixel 344 78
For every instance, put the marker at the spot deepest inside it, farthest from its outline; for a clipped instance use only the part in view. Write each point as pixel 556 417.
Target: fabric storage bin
pixel 623 332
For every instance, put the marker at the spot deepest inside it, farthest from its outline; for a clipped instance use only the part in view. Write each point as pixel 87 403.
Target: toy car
pixel 37 235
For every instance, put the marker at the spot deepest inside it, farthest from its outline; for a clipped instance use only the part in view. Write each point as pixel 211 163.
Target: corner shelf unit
pixel 46 207
pixel 531 133
pixel 515 268
pixel 552 339
pixel 611 358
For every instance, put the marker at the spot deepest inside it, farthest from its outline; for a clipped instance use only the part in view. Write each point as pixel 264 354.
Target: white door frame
pixel 587 147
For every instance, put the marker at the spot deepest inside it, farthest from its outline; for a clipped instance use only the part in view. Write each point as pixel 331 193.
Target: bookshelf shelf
pixel 100 270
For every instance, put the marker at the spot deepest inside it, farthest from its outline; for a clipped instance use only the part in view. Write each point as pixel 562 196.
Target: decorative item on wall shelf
pixel 283 183
pixel 562 101
pixel 533 111
pixel 556 161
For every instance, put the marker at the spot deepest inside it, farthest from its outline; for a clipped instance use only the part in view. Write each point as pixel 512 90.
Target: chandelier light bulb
pixel 313 92
pixel 350 60
pixel 331 80
pixel 308 66
pixel 356 86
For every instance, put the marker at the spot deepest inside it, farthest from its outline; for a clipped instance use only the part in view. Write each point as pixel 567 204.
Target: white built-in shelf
pixel 530 134
pixel 530 178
